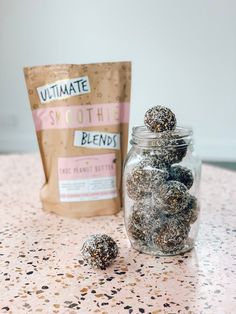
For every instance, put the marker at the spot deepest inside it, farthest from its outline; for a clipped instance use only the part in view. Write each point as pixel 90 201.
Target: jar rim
pixel 141 136
pixel 142 131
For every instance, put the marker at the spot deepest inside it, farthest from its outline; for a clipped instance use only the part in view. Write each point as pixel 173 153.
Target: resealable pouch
pixel 81 117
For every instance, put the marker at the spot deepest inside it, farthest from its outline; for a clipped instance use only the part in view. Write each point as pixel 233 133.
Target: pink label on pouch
pixel 86 167
pixel 87 178
pixel 80 116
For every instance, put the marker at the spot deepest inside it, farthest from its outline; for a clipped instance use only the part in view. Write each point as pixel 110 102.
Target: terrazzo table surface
pixel 41 269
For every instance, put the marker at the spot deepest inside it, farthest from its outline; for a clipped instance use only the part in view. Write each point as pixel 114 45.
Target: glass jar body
pixel 161 182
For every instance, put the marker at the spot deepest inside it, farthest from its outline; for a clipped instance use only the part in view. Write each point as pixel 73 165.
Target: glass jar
pixel 161 191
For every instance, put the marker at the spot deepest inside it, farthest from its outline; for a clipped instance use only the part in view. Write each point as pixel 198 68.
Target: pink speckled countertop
pixel 41 269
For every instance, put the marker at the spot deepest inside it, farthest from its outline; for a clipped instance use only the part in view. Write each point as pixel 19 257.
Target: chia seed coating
pixel 144 218
pixel 148 173
pixel 159 119
pixel 172 196
pixel 170 149
pixel 190 213
pixel 171 235
pixel 151 162
pixel 99 250
pixel 181 174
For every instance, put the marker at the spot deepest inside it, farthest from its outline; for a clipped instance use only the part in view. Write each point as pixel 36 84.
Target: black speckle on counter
pixel 166 305
pixel 44 287
pixel 120 272
pixel 108 296
pixel 45 258
pixel 72 305
pixel 6 308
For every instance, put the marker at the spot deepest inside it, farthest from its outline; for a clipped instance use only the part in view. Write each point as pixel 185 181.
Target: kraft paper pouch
pixel 81 116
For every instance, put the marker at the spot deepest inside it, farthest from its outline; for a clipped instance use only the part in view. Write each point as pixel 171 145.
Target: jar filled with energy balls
pixel 161 186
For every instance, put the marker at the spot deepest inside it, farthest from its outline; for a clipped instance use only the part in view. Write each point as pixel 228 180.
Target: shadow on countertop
pixel 222 164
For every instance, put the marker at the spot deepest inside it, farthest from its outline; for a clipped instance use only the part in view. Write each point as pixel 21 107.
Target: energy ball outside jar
pixel 99 250
pixel 144 218
pixel 159 119
pixel 170 237
pixel 172 196
pixel 181 174
pixel 147 174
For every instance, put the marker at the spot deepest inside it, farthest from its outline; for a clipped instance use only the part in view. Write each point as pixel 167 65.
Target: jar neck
pixel 143 138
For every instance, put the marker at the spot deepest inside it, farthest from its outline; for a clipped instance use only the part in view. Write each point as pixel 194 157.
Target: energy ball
pixel 172 149
pixel 181 174
pixel 148 174
pixel 99 250
pixel 151 162
pixel 159 119
pixel 142 220
pixel 190 213
pixel 173 197
pixel 171 236
pixel 134 191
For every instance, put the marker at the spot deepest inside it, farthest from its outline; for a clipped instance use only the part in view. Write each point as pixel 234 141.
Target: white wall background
pixel 183 54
